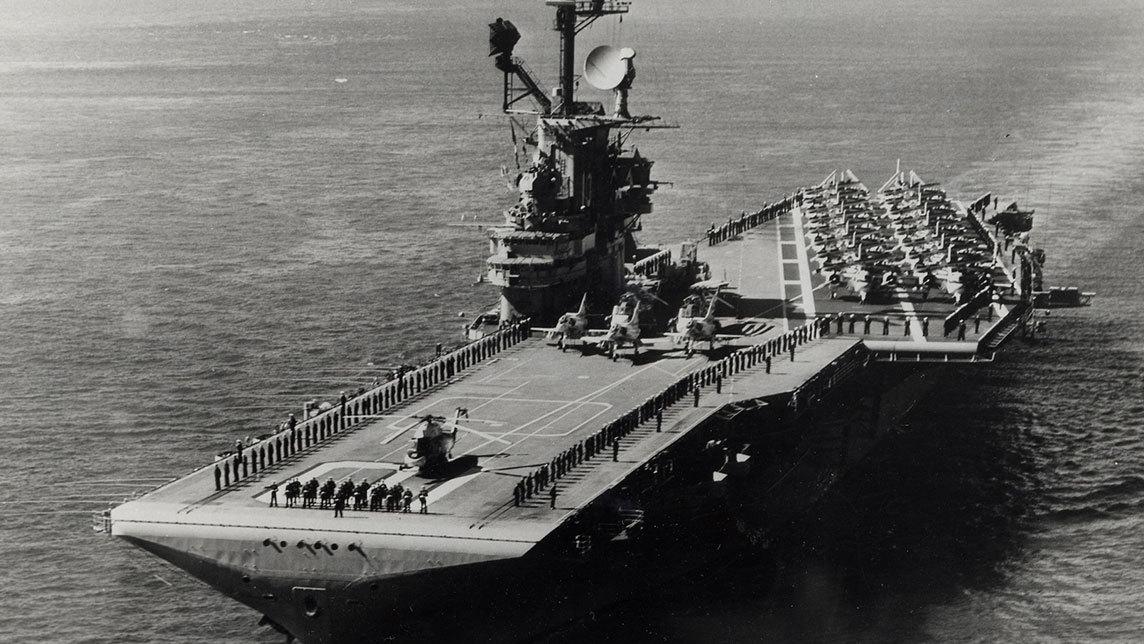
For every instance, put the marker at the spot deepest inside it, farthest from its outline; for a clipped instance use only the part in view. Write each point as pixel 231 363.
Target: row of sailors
pixel 746 221
pixel 293 436
pixel 313 407
pixel 597 443
pixel 535 482
pixel 907 324
pixel 364 496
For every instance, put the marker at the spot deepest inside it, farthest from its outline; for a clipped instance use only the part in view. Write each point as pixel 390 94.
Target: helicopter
pixel 434 439
pixel 570 326
pixel 623 328
pixel 691 329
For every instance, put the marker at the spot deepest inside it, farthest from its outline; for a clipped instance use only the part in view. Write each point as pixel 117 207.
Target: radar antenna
pixel 503 36
pixel 609 68
pixel 572 16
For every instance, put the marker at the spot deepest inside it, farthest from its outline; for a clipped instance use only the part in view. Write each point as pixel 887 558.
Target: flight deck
pixel 527 401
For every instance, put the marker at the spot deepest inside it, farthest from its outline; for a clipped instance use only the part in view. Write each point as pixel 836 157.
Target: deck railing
pixel 997 334
pixel 747 221
pixel 982 298
pixel 652 264
pixel 351 411
pixel 608 436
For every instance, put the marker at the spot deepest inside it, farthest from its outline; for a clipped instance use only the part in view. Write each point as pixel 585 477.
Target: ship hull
pixel 692 524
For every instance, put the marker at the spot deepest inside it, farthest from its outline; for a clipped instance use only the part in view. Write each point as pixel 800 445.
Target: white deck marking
pixel 569 405
pixel 394 436
pixel 582 399
pixel 684 366
pixel 803 265
pixel 742 269
pixel 782 295
pixel 568 409
pixel 573 430
pixel 501 374
pixel 915 322
pixel 399 476
pixel 439 492
pixel 424 409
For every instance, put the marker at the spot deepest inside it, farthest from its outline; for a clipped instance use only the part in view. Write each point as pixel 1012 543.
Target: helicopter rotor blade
pixel 392 437
pixel 493 423
pixel 401 430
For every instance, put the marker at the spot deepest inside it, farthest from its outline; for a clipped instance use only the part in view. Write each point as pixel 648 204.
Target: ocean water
pixel 211 212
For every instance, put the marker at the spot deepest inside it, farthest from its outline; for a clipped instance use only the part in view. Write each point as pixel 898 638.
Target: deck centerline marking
pixel 911 312
pixel 562 416
pixel 584 398
pixel 783 304
pixel 496 375
pixel 803 265
pixel 421 411
pixel 439 492
pixel 428 404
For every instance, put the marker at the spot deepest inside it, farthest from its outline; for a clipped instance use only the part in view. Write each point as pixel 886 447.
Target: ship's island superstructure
pixel 561 446
pixel 582 193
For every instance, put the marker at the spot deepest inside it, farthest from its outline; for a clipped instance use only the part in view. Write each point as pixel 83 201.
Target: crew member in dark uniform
pixel 361 494
pixel 311 493
pixel 328 490
pixel 292 489
pixel 347 489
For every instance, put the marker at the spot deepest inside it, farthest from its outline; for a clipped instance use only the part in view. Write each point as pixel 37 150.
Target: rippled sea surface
pixel 212 211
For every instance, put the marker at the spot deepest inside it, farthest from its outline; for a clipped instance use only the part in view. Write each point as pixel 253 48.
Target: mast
pixel 582 194
pixel 566 25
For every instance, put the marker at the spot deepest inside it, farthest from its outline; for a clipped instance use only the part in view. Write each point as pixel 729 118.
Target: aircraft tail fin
pixel 711 307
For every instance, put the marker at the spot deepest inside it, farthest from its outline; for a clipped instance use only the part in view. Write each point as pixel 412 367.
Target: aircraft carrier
pixel 734 380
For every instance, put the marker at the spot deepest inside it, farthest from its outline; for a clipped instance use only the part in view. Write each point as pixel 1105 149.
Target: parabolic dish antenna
pixel 606 67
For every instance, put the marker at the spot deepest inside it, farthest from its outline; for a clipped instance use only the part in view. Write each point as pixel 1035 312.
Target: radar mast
pixel 582 193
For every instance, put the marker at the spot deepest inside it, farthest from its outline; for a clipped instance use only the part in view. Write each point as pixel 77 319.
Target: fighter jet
pixel 863 279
